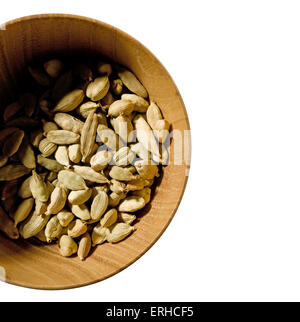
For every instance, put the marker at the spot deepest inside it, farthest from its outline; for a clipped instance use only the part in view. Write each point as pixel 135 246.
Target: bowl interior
pixel 33 264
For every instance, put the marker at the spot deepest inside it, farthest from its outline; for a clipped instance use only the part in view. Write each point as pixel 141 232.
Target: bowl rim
pixel 188 128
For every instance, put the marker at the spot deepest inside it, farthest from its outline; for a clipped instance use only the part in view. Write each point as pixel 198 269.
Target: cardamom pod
pixel 89 174
pixel 63 137
pixel 121 174
pixel 38 187
pixel 97 189
pixel 88 135
pixel 67 246
pixel 49 126
pixel 12 143
pixel 35 137
pixel 123 157
pixel 76 228
pixel 81 211
pixel 138 184
pixel 145 135
pixel 107 100
pixel 46 147
pixel 26 154
pixel 79 197
pixel 53 229
pixel 116 86
pixel 23 122
pixel 9 189
pixel 126 218
pixel 131 82
pixel 99 235
pixel 97 89
pixel 53 67
pixel 120 107
pixel 70 101
pixel 11 110
pixel 85 109
pixel 157 123
pixel 146 170
pixel 95 148
pixel 23 210
pixel 61 156
pixel 140 104
pixel 33 225
pixel 41 236
pixel 109 218
pixel 71 180
pixel 65 217
pixel 123 127
pixel 7 132
pixel 131 204
pixel 118 232
pixel 153 115
pixel 57 201
pixel 49 164
pixel 144 193
pixel 101 159
pixel 117 186
pixel 7 226
pixel 68 122
pixel 13 171
pixel 115 198
pixel 24 191
pixel 162 130
pixel 99 205
pixel 74 152
pixel 104 68
pixel 40 207
pixel 84 246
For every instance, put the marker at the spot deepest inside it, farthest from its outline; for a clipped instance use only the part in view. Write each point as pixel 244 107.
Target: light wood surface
pixel 31 263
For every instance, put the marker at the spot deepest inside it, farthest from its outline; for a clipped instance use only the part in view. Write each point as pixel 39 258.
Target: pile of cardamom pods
pixel 80 152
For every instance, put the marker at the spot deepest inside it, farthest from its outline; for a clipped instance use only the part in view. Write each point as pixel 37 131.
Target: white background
pixel 236 234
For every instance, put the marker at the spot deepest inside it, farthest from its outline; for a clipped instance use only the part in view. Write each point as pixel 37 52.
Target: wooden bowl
pixel 33 264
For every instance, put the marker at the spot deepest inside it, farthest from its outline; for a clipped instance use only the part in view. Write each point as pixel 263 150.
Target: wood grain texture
pixel 31 263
